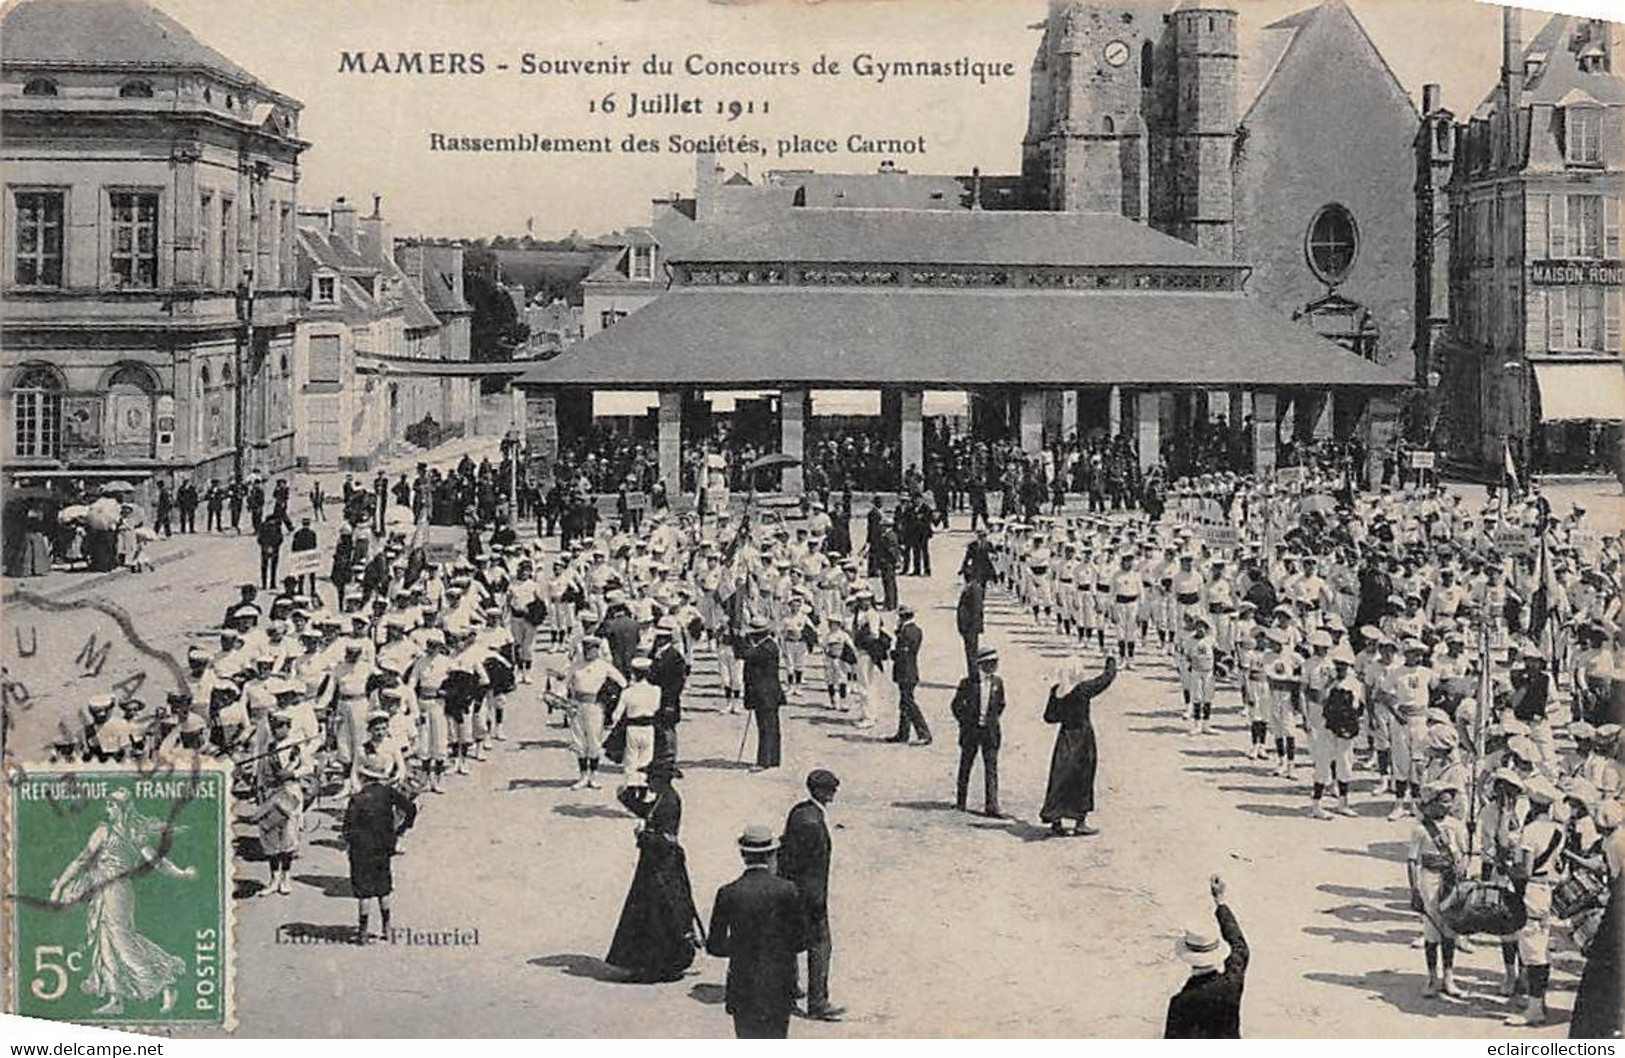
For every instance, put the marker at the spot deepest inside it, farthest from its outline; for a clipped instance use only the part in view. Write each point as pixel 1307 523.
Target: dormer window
pixel 135 90
pixel 643 262
pixel 40 86
pixel 1582 129
pixel 1533 63
pixel 326 290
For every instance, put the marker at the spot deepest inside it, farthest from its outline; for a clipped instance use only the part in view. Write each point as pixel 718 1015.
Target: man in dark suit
pixel 763 694
pixel 968 619
pixel 1209 1006
pixel 758 924
pixel 977 565
pixel 873 522
pixel 804 853
pixel 905 657
pixel 978 704
pixel 670 673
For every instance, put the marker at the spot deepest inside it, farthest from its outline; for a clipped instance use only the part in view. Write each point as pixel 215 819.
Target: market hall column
pixel 1031 426
pixel 1148 427
pixel 670 441
pixel 792 437
pixel 542 432
pixel 1264 435
pixel 911 428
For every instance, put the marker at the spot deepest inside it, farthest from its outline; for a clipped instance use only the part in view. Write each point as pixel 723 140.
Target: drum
pixel 1484 907
pixel 1578 892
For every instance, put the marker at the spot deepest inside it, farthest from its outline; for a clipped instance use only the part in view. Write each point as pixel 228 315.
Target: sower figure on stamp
pixel 370 832
pixel 977 706
pixel 758 925
pixel 122 963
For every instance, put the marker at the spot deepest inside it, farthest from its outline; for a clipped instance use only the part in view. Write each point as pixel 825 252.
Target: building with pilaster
pixel 151 198
pixel 1530 356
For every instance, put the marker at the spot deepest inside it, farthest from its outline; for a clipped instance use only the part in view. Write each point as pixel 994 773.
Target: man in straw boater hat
pixel 370 833
pixel 758 924
pixel 1209 1004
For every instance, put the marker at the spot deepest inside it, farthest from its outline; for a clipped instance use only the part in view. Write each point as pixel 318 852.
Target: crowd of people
pixel 1470 661
pixel 1450 663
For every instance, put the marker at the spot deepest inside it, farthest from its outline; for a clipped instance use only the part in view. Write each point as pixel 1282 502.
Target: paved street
pixel 945 924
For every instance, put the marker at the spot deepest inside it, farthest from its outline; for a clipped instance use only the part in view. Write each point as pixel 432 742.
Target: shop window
pixel 38 221
pixel 40 86
pixel 36 412
pixel 1332 243
pixel 135 90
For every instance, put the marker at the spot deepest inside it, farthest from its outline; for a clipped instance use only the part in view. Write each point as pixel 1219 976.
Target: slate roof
pixel 1560 74
pixel 962 237
pixel 439 287
pixel 833 337
pixel 112 34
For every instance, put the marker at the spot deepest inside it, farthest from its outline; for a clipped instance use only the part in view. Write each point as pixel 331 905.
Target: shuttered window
pixel 1535 229
pixel 324 359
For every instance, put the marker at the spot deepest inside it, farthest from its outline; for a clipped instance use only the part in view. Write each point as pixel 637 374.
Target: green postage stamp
pixel 118 894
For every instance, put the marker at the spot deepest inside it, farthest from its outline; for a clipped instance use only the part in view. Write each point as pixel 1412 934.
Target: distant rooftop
pixel 965 237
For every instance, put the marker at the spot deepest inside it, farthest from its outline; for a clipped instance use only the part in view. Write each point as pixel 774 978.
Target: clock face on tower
pixel 1116 53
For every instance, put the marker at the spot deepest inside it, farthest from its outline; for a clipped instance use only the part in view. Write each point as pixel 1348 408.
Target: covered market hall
pixel 1025 327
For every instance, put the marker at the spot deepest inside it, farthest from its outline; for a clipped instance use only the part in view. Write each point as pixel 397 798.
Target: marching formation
pixel 1458 668
pixel 1467 660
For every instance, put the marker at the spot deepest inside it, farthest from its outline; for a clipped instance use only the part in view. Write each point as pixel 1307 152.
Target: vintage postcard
pixel 846 519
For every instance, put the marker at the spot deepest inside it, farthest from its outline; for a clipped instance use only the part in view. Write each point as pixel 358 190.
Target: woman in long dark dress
pixel 1071 790
pixel 655 939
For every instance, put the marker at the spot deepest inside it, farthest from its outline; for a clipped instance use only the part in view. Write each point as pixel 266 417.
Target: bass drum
pixel 1484 907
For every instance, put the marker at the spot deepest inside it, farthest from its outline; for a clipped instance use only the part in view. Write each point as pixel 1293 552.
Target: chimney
pixel 375 233
pixel 343 221
pixel 409 257
pixel 705 186
pixel 1430 98
pixel 1511 63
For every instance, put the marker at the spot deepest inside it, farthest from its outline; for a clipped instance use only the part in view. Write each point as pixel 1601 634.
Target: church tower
pixel 1204 127
pixel 1087 132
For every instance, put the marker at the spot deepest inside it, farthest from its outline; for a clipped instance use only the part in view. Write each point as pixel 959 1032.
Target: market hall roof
pixel 958 237
pixel 830 337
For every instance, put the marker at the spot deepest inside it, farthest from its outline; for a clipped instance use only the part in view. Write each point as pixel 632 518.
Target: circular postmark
pixel 57 659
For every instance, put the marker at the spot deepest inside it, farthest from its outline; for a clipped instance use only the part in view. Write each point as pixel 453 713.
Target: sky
pixel 370 132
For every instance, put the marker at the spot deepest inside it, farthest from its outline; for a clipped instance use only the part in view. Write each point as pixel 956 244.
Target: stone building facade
pixel 149 250
pixel 1530 353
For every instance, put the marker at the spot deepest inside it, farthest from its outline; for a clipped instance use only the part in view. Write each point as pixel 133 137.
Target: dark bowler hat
pixel 822 779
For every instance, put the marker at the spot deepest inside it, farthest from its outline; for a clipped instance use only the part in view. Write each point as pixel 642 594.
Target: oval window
pixel 1332 243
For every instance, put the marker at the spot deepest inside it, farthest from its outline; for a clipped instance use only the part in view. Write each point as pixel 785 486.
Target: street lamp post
pixel 244 345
